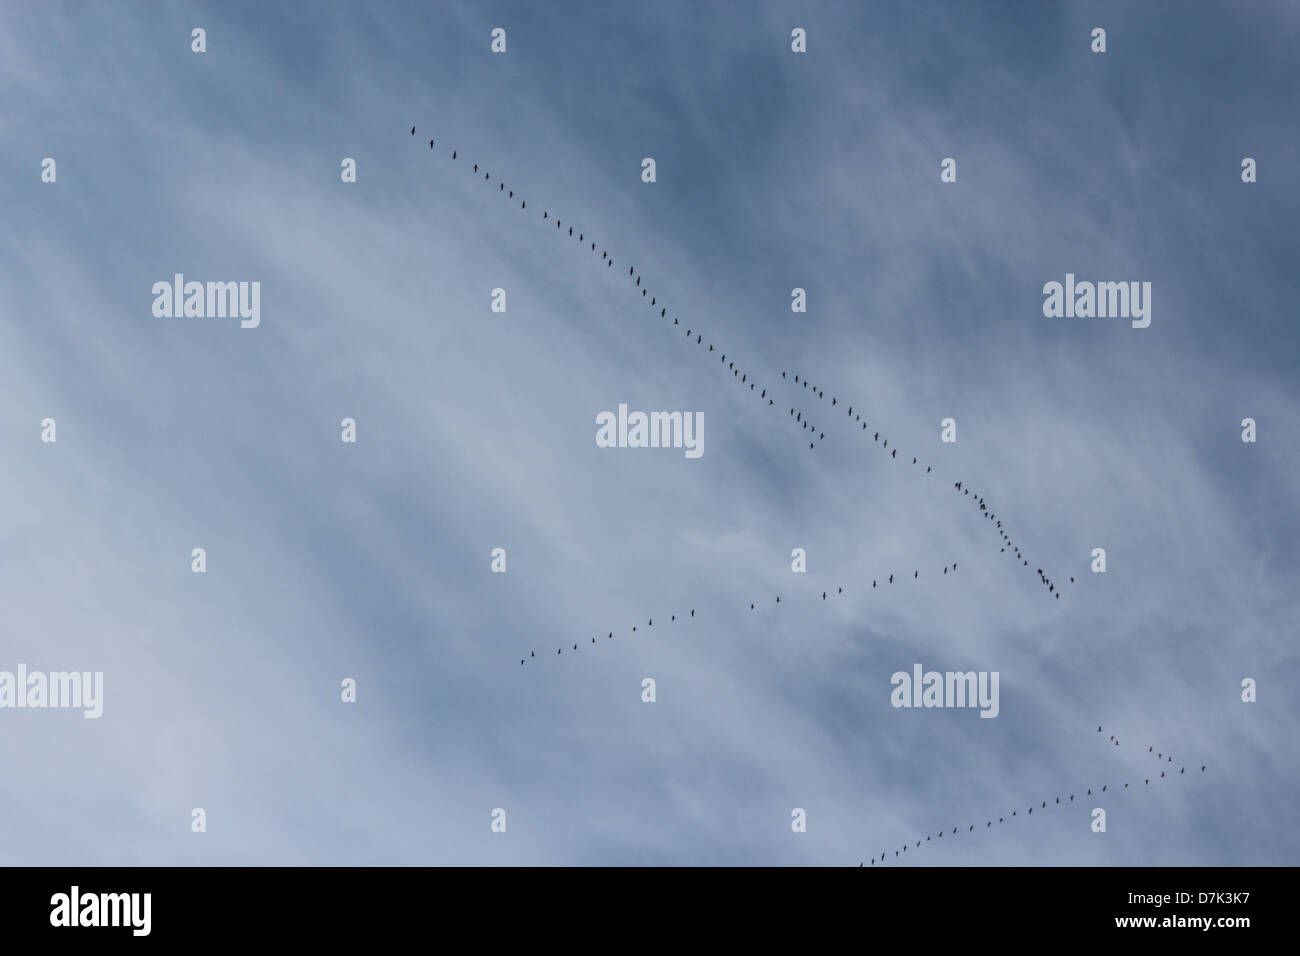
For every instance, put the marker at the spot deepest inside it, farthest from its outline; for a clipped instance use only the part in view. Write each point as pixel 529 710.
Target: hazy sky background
pixel 476 431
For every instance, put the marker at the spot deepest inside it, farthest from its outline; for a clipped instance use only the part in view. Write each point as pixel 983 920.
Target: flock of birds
pixel 799 418
pixel 739 375
pixel 1166 760
pixel 745 377
pixel 1008 546
pixel 875 583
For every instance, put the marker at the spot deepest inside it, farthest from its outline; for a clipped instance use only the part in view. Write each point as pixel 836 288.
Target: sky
pixel 475 430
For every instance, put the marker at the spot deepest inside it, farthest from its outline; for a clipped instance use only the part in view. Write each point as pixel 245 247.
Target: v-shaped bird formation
pixel 798 417
pixel 747 380
pixel 1008 546
pixel 1166 773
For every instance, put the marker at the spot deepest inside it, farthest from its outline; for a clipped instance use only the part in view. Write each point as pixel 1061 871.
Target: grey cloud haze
pixel 476 430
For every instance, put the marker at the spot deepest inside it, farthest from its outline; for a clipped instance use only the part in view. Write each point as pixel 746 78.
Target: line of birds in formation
pixel 875 583
pixel 739 375
pixel 988 825
pixel 743 377
pixel 1008 546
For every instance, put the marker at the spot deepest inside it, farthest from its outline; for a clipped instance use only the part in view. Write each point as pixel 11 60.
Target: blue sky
pixel 476 430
